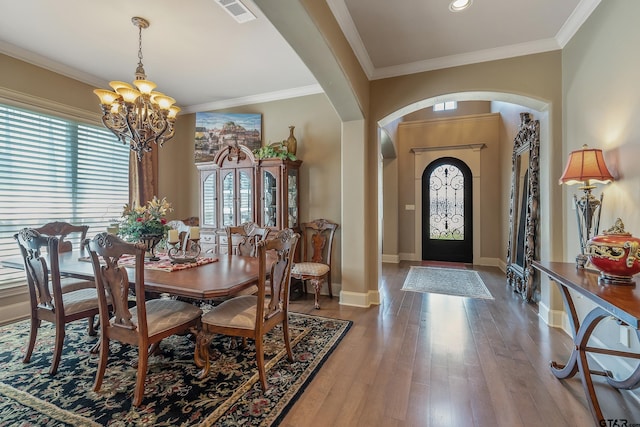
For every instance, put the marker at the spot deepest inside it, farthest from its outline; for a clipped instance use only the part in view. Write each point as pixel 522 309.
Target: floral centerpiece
pixel 141 221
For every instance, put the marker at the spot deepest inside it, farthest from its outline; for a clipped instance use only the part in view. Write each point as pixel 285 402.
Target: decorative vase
pixel 615 254
pixel 292 142
pixel 150 241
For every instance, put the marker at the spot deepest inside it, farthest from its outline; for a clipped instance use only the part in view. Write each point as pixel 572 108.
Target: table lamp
pixel 586 166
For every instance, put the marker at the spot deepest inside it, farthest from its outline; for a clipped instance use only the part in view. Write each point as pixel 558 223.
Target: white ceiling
pixel 197 53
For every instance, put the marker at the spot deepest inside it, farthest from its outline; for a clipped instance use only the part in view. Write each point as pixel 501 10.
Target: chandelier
pixel 138 115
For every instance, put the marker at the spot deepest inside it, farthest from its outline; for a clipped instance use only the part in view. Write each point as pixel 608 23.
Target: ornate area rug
pixel 447 281
pixel 174 396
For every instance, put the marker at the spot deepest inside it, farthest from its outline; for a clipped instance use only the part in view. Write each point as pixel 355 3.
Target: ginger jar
pixel 615 254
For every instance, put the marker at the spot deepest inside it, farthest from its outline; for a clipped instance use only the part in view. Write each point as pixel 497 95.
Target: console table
pixel 620 302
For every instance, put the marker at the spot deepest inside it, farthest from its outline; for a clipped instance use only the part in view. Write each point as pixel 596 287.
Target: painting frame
pixel 214 131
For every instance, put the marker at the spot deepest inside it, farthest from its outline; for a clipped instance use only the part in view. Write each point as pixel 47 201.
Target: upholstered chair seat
pixel 164 314
pixel 238 312
pixel 310 269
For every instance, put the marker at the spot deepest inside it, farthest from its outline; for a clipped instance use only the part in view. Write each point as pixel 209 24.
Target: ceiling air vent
pixel 237 10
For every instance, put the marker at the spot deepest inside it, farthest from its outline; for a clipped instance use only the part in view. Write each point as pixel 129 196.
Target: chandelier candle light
pixel 586 166
pixel 138 115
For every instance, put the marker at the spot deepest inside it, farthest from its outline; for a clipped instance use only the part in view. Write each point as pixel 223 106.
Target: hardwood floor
pixel 436 360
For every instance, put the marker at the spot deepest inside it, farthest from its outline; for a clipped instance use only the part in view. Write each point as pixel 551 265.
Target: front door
pixel 447 211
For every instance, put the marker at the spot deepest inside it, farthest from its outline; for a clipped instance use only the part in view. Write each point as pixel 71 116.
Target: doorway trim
pixel 469 154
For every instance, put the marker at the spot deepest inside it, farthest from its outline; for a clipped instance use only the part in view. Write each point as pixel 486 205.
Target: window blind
pixel 53 169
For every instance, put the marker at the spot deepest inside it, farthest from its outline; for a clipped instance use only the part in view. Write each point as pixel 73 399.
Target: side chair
pixel 63 230
pixel 145 324
pixel 243 239
pixel 252 316
pixel 47 300
pixel 317 246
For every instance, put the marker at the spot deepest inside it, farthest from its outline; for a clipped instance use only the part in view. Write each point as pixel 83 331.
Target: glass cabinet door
pixel 209 200
pixel 269 199
pixel 228 197
pixel 292 195
pixel 245 199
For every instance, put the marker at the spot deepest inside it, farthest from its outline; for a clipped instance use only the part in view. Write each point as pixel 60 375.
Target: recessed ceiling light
pixel 458 5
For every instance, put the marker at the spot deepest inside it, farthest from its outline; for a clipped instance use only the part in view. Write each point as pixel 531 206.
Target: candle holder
pixel 187 253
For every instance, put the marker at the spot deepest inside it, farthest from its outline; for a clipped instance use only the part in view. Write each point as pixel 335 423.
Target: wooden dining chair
pixel 145 324
pixel 64 230
pixel 252 316
pixel 315 264
pixel 243 239
pixel 47 300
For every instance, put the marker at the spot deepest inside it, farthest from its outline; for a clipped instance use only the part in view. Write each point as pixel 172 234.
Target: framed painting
pixel 215 131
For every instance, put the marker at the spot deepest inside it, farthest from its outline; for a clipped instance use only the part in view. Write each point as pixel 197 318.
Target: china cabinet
pixel 236 188
pixel 279 198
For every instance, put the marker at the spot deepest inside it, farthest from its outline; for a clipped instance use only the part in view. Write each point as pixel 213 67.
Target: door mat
pixel 447 281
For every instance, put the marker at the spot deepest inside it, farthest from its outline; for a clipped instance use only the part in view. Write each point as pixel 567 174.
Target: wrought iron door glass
pixel 446 198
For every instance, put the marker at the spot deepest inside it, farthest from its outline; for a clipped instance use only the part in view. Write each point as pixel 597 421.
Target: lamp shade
pixel 584 165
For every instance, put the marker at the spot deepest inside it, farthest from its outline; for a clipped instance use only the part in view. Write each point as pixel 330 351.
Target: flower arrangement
pixel 138 221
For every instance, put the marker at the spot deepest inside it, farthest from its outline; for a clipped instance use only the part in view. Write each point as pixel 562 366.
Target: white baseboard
pixel 554 318
pixel 360 299
pixel 391 259
pixel 487 262
pixel 405 256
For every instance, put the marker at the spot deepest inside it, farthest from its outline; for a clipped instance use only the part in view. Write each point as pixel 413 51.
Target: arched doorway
pixel 447 211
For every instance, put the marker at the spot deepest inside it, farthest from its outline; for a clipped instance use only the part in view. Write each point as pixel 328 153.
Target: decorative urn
pixel 615 254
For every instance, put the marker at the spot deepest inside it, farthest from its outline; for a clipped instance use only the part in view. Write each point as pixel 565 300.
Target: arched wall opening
pixel 541 110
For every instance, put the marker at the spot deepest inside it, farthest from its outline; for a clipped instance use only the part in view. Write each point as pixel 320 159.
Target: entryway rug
pixel 174 396
pixel 447 281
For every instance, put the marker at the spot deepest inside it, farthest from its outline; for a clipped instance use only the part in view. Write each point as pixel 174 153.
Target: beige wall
pixel 24 78
pixel 601 93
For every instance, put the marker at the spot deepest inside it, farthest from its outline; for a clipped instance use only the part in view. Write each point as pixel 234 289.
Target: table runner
pixel 164 264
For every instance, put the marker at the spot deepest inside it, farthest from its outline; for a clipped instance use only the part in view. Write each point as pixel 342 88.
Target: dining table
pixel 226 276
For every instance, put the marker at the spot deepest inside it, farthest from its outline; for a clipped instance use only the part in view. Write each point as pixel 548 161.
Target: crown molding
pixel 342 15
pixel 255 99
pixel 494 54
pixel 578 17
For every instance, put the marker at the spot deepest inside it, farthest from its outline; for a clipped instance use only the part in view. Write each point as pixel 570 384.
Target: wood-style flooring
pixel 435 360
